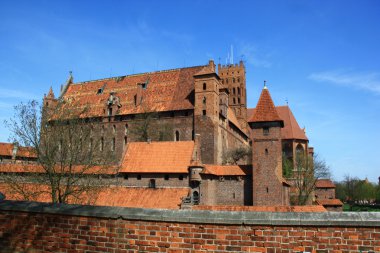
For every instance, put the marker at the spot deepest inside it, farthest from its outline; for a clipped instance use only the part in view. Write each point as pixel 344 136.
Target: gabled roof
pixel 6 149
pixel 314 208
pixel 265 109
pixel 165 198
pixel 164 91
pixel 227 170
pixel 291 129
pixel 158 157
pixel 324 183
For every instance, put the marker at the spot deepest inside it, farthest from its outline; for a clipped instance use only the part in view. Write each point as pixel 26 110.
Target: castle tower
pixel 269 188
pixel 49 100
pixel 206 112
pixel 233 77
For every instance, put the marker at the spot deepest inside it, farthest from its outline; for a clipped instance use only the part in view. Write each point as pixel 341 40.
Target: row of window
pixel 166 177
pixel 233 80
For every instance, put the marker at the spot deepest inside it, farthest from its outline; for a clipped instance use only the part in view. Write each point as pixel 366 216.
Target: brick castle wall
pixel 33 227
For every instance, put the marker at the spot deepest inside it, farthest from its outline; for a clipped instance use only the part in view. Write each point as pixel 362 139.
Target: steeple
pixel 50 95
pixel 265 109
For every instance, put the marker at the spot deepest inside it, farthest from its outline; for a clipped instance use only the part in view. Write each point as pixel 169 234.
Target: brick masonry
pixel 35 227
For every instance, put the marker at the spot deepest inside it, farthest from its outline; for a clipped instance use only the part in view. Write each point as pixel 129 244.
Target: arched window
pixel 234 91
pixel 176 135
pixel 195 198
pixel 152 183
pixel 110 111
pixel 204 86
pixel 266 151
pixel 238 100
pixel 238 90
pixel 299 150
pixel 234 101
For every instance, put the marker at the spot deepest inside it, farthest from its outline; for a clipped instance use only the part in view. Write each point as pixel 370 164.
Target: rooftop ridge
pixel 139 74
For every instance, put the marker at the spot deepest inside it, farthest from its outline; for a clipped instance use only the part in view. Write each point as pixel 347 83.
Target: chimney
pixel 14 151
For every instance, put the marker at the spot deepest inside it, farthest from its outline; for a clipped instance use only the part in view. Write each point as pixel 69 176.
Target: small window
pixel 113 144
pixel 266 130
pixel 138 177
pixel 180 177
pixel 152 183
pixel 233 195
pixel 238 100
pixel 266 151
pixel 125 140
pixel 126 129
pixel 166 177
pixel 176 135
pixel 238 90
pixel 204 112
pixel 267 190
pixel 101 144
pixel 204 100
pixel 238 79
pixel 110 111
pixel 114 129
pixel 126 176
pixel 135 99
pixel 234 91
pixel 204 86
pixel 234 101
pixel 233 80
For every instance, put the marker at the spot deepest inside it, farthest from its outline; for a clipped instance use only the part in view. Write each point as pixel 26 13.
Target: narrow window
pixel 176 135
pixel 267 190
pixel 126 129
pixel 114 129
pixel 204 86
pixel 234 101
pixel 266 151
pixel 126 176
pixel 135 99
pixel 233 80
pixel 101 144
pixel 234 91
pixel 113 144
pixel 238 100
pixel 102 130
pixel 238 79
pixel 138 177
pixel 110 111
pixel 166 177
pixel 204 100
pixel 233 195
pixel 192 135
pixel 238 90
pixel 152 183
pixel 226 81
pixel 204 112
pixel 125 140
pixel 266 131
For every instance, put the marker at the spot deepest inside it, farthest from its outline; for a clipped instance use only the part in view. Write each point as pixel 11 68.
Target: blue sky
pixel 321 56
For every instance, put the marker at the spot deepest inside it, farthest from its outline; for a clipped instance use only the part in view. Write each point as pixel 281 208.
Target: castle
pixel 192 117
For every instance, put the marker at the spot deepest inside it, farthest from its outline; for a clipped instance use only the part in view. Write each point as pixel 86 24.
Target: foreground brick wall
pixel 31 227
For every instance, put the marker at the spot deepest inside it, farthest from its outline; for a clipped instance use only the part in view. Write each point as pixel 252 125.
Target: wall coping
pixel 346 219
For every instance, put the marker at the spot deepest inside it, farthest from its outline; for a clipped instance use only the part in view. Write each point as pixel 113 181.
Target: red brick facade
pixel 42 232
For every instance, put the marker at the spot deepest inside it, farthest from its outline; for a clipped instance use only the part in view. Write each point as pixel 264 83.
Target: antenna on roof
pixel 232 55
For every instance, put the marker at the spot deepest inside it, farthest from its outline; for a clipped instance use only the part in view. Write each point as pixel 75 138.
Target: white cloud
pixel 254 56
pixel 8 93
pixel 369 81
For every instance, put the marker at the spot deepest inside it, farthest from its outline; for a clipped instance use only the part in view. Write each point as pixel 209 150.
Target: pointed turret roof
pixel 51 93
pixel 265 109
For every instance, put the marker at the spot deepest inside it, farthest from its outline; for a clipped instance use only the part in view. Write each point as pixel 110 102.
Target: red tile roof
pixel 314 208
pixel 227 170
pixel 37 168
pixel 265 109
pixel 291 129
pixel 165 198
pixel 324 183
pixel 158 157
pixel 165 91
pixel 6 149
pixel 329 202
